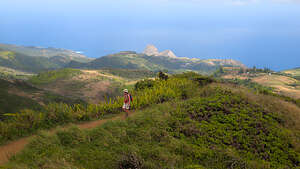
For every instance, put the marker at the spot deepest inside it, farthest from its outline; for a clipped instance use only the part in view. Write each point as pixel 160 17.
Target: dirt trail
pixel 12 148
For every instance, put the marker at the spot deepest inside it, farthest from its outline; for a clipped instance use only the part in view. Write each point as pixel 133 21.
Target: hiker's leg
pixel 127 112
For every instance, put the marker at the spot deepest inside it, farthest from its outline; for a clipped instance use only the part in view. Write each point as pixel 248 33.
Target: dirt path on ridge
pixel 14 147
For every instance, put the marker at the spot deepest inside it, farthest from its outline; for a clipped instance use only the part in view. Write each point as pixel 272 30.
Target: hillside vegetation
pixel 92 86
pixel 16 95
pixel 186 121
pixel 33 59
pixel 8 73
pixel 294 72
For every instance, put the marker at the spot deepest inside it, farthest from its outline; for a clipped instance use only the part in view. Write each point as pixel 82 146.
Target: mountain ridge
pixel 37 59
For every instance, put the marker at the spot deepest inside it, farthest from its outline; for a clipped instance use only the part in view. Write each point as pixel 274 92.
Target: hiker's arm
pixel 129 98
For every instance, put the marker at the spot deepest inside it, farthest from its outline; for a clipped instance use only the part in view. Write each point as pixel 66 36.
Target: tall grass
pixel 27 122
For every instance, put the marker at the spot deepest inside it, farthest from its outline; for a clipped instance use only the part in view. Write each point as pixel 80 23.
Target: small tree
pixel 162 76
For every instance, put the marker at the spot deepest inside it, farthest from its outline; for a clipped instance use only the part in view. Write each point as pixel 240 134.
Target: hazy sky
pixel 265 33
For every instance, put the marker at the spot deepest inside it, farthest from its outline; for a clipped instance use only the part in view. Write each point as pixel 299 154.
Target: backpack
pixel 130 97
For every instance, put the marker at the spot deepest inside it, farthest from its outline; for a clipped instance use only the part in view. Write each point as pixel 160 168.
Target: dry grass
pixel 281 84
pixel 294 72
pixel 90 85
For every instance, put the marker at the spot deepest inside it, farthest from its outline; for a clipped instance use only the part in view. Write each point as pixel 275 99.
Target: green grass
pixel 21 124
pixel 7 55
pixel 182 122
pixel 52 76
pixel 212 128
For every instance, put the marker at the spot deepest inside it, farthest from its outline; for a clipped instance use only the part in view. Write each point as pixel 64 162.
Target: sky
pixel 264 33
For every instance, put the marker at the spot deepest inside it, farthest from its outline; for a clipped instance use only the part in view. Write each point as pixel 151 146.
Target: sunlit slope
pixel 35 59
pixel 293 72
pixel 193 124
pixel 16 95
pixel 89 85
pixel 281 84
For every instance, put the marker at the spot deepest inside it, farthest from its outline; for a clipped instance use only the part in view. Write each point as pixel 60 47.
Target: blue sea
pixel 253 32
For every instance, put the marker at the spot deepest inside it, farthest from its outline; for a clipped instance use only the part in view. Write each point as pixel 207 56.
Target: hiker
pixel 127 102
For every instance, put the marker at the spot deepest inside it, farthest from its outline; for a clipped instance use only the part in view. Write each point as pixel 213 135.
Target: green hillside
pixel 8 73
pixel 16 95
pixel 63 54
pixel 92 86
pixel 13 102
pixel 37 59
pixel 25 63
pixel 33 59
pixel 187 121
pixel 294 72
pixel 133 60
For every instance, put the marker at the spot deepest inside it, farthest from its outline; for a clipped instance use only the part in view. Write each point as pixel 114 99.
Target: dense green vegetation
pixel 52 76
pixel 187 124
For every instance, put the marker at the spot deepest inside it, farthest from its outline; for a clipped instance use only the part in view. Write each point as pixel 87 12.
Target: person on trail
pixel 127 102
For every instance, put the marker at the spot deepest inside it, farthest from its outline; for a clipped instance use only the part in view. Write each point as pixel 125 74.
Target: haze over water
pixel 265 33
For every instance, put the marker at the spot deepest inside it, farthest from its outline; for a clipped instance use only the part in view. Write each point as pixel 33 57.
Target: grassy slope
pixel 16 95
pixel 23 62
pixel 12 103
pixel 218 126
pixel 8 73
pixel 294 72
pixel 45 52
pixel 89 85
pixel 285 85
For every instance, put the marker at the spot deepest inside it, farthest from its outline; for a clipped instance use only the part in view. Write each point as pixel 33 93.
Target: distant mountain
pixel 36 59
pixel 152 59
pixel 46 52
pixel 151 50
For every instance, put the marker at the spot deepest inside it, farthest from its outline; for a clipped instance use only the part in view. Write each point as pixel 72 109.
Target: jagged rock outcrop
pixel 167 53
pixel 151 50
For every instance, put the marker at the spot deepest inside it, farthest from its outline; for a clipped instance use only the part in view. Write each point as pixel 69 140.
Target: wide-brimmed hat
pixel 125 90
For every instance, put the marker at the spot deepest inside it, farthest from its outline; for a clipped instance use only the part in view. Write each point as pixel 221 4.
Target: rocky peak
pixel 168 53
pixel 151 50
